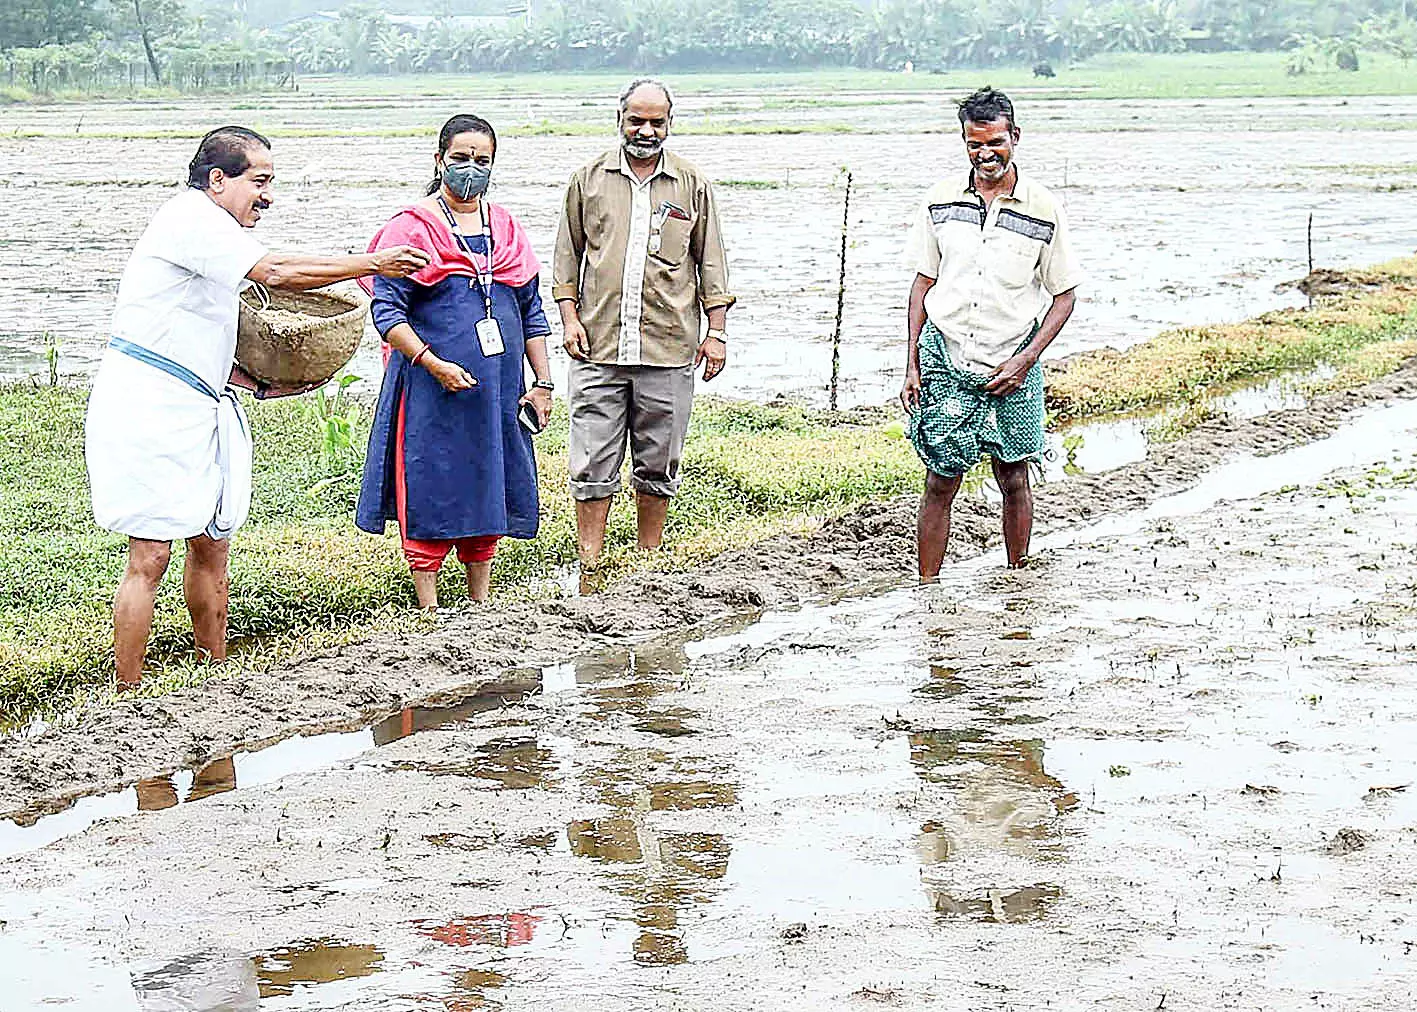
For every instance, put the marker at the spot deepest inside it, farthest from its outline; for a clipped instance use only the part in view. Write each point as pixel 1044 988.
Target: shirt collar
pixel 622 165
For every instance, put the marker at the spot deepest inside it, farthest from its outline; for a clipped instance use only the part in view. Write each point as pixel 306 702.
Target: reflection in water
pixel 1002 795
pixel 470 990
pixel 512 689
pixel 200 982
pixel 313 752
pixel 934 844
pixel 943 684
pixel 319 961
pixel 659 872
pixel 1027 904
pixel 501 931
pixel 157 793
pixel 515 764
pixel 625 682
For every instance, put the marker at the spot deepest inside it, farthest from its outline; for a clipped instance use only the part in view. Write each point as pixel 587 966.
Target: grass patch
pixel 303 578
pixel 1183 366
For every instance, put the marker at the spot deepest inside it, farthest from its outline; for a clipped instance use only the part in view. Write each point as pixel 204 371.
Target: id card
pixel 489 335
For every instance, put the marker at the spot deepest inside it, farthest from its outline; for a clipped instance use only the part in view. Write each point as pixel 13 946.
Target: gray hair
pixel 636 83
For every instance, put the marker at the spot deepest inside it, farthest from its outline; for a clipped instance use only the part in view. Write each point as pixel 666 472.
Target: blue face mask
pixel 466 180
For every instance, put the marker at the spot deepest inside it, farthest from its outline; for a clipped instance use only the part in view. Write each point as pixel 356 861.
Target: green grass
pixel 1181 366
pixel 303 577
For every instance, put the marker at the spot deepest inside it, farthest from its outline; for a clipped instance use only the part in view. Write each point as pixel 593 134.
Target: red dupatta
pixel 513 261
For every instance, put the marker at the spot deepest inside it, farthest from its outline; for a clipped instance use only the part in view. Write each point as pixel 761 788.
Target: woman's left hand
pixel 540 399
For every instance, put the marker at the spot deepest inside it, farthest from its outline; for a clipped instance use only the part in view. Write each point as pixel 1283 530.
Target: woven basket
pixel 298 337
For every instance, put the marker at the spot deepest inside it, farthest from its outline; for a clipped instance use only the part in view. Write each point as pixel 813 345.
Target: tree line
pixel 52 45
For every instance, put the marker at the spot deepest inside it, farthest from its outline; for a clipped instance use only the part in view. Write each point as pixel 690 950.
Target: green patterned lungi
pixel 957 423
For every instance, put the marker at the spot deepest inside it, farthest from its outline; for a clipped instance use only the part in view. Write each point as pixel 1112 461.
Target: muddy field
pixel 1168 766
pixel 1174 228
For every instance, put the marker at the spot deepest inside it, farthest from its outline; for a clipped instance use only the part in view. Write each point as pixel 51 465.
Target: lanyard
pixel 483 280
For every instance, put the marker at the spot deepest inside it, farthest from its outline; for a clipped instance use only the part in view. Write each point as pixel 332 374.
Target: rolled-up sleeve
pixel 1058 266
pixel 706 245
pixel 570 244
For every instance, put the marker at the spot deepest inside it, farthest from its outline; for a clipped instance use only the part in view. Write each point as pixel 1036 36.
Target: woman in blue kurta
pixel 448 458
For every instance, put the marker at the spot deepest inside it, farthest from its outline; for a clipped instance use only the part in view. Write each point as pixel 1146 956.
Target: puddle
pixel 320 961
pixel 293 756
pixel 854 768
pixel 1371 435
pixel 1029 903
pixel 1102 445
pixel 512 764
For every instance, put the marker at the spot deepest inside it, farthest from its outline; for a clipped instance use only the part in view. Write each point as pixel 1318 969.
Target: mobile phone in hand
pixel 530 420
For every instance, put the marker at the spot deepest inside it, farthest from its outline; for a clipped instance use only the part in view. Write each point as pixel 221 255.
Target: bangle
pixel 421 352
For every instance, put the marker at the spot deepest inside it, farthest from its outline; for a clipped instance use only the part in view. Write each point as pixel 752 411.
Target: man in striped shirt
pixel 994 283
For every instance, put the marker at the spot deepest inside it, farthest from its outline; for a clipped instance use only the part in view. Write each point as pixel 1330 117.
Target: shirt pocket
pixel 673 242
pixel 1013 258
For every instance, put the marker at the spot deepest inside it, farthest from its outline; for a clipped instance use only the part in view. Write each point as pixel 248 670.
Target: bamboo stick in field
pixel 840 292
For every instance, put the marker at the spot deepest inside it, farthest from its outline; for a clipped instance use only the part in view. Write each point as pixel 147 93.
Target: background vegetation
pixel 53 46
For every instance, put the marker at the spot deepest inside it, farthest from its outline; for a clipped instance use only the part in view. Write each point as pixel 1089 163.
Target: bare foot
pixel 592 580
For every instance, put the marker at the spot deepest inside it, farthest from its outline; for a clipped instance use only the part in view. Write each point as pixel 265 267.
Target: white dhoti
pixel 156 450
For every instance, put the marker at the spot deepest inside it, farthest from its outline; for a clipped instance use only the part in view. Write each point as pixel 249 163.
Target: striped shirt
pixel 996 268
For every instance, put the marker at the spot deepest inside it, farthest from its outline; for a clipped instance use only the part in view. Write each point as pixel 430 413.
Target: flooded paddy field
pixel 1185 212
pixel 1167 766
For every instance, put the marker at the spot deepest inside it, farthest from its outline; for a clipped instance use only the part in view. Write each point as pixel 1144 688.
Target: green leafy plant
pixel 337 417
pixel 52 345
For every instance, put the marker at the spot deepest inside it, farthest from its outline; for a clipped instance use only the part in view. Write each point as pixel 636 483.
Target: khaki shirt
pixel 996 270
pixel 641 259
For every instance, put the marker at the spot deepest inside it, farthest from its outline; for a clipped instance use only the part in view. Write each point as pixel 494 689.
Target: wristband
pixel 421 352
pixel 717 335
pixel 544 385
pixel 260 390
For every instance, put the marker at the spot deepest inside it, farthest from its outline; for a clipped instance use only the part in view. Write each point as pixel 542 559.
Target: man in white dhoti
pixel 166 443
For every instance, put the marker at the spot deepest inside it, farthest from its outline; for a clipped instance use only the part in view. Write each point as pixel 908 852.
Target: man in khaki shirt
pixel 995 281
pixel 639 261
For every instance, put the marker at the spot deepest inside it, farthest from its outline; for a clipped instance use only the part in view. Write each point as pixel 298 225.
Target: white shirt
pixel 632 281
pixel 151 441
pixel 178 296
pixel 996 270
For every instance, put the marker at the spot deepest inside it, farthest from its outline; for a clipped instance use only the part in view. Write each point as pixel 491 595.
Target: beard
pixel 640 147
pixel 992 167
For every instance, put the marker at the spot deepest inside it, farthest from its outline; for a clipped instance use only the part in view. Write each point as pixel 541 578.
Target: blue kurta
pixel 468 462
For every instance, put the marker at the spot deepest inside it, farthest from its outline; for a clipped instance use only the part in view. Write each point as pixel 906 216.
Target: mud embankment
pixel 112 747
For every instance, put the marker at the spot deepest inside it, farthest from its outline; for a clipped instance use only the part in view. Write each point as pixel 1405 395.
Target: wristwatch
pixel 544 385
pixel 718 335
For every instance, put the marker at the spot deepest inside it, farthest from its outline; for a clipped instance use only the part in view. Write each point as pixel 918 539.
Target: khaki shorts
pixel 649 405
